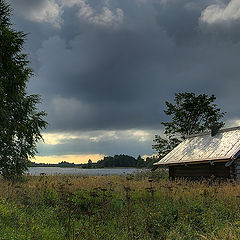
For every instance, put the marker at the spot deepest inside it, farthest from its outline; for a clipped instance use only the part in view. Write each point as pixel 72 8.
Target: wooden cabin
pixel 206 155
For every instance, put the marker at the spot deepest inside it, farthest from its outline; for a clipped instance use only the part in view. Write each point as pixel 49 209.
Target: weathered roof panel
pixel 203 147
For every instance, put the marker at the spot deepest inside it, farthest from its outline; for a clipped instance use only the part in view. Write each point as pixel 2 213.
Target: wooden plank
pixel 204 147
pixel 230 147
pixel 192 172
pixel 238 167
pixel 238 177
pixel 204 170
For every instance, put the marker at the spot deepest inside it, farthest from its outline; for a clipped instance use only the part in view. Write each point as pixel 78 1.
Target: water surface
pixel 80 171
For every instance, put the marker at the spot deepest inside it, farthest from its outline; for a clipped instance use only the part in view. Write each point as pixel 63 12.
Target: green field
pixel 117 207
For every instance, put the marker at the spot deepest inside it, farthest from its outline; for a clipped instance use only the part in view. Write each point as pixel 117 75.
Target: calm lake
pixel 79 171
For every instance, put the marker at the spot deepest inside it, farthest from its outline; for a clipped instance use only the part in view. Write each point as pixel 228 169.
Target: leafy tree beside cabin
pixel 190 114
pixel 150 161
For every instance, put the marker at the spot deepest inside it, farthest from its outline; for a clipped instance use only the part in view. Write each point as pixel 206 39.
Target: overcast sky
pixel 105 68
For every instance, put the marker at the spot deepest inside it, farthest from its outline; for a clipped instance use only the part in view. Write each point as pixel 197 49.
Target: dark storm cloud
pixel 22 6
pixel 115 70
pixel 110 146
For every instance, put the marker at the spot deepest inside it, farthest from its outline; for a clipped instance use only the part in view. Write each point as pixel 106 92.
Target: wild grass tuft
pixel 146 206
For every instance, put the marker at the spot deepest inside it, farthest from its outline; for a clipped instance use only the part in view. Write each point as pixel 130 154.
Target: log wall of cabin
pixel 236 169
pixel 218 170
pixel 233 173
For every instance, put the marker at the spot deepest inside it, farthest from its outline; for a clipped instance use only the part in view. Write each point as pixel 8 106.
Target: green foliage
pixel 156 175
pixel 145 209
pixel 18 224
pixel 150 161
pixel 140 162
pixel 62 164
pixel 50 197
pixel 164 145
pixel 20 121
pixel 90 163
pixel 190 114
pixel 125 161
pixel 118 161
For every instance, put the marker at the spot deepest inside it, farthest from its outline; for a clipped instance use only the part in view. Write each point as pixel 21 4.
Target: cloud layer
pixel 51 12
pixel 221 13
pixel 110 65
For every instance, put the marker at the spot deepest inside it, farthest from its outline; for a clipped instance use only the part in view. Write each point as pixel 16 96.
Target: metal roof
pixel 224 146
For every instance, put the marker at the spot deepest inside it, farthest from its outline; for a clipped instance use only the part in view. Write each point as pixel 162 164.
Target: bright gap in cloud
pixel 221 13
pixel 51 12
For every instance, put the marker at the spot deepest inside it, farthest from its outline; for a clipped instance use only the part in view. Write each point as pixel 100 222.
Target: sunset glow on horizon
pixel 77 159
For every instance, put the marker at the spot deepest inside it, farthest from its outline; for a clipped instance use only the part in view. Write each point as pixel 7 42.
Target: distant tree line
pixel 61 164
pixel 122 160
pixel 107 162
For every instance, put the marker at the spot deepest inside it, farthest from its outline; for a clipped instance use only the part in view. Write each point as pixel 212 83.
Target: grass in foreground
pixel 117 207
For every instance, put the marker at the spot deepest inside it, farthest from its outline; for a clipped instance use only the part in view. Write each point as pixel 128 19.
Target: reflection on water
pixel 79 171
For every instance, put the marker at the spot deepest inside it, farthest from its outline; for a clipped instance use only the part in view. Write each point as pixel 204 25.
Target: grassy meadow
pixel 117 207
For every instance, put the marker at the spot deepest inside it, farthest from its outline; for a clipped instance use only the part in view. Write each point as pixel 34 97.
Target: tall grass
pixel 117 207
